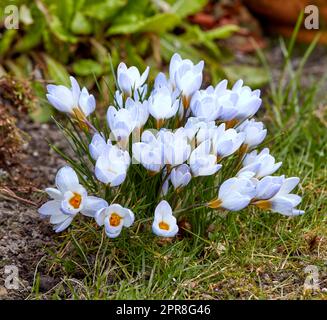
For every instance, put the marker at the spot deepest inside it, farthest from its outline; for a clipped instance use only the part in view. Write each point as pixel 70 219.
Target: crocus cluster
pixel 177 131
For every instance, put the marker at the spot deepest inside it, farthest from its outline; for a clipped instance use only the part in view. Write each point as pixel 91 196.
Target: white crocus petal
pixel 71 100
pixel 98 146
pixel 121 123
pixel 263 163
pixel 111 167
pixel 203 163
pixel 54 193
pixel 254 132
pixel 226 142
pixel 268 187
pixel 199 130
pixel 49 208
pixel 164 224
pixel 92 205
pixel 63 225
pixel 162 104
pixel 66 179
pixel 236 193
pixel 114 218
pixel 130 78
pixel 204 105
pixel 180 176
pixel 139 111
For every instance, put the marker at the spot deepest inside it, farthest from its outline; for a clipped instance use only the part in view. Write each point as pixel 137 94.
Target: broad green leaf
pixel 80 24
pixel 158 24
pixel 184 8
pixel 6 40
pixel 86 67
pixel 103 9
pixel 222 32
pixel 57 72
pixel 254 77
pixel 59 31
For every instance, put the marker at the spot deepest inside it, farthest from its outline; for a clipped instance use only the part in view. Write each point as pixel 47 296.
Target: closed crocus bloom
pixel 111 166
pixel 248 101
pixel 198 130
pixel 176 148
pixel 69 198
pixel 163 104
pixel 140 111
pixel 262 164
pixel 203 163
pixel 98 146
pixel 254 132
pixel 149 152
pixel 283 201
pixel 114 218
pixel 130 79
pixel 268 187
pixel 234 194
pixel 186 76
pixel 74 101
pixel 226 142
pixel 204 105
pixel 180 176
pixel 164 224
pixel 121 123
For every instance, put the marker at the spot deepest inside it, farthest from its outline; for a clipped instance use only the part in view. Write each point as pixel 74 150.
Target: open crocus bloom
pixel 268 187
pixel 130 79
pixel 74 101
pixel 164 224
pixel 114 218
pixel 262 164
pixel 69 198
pixel 112 165
pixel 234 194
pixel 283 201
pixel 98 146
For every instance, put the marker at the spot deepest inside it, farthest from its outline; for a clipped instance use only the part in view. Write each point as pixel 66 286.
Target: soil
pixel 24 237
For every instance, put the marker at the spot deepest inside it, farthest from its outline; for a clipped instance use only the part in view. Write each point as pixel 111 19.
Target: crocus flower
pixel 74 101
pixel 149 152
pixel 204 105
pixel 226 142
pixel 203 163
pixel 234 194
pixel 283 201
pixel 186 76
pixel 130 79
pixel 111 166
pixel 262 164
pixel 163 104
pixel 268 187
pixel 139 110
pixel 164 224
pixel 198 131
pixel 98 146
pixel 121 123
pixel 114 218
pixel 180 176
pixel 254 132
pixel 69 198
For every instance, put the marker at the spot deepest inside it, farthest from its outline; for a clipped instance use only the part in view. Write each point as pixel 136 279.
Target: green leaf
pixel 86 67
pixel 254 77
pixel 59 31
pixel 80 24
pixel 6 40
pixel 159 23
pixel 103 9
pixel 57 72
pixel 184 8
pixel 222 32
